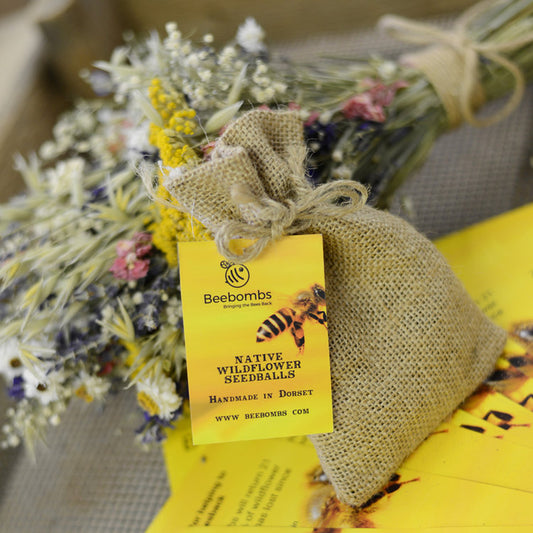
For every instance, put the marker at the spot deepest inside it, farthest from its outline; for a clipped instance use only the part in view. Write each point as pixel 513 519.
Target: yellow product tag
pixel 256 341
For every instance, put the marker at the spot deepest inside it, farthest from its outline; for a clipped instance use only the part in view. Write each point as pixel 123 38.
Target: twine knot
pixel 266 220
pixel 451 65
pixel 255 187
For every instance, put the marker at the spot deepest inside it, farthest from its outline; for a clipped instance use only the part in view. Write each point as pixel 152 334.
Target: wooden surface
pixel 283 20
pixel 32 126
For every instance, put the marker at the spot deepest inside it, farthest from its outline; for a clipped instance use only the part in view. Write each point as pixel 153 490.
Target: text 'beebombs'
pixel 239 297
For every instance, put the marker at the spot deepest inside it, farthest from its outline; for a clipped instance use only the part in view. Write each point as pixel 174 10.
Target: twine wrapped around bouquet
pixel 451 63
pixel 407 343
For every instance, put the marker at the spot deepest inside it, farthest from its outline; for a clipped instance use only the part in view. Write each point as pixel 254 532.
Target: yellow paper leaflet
pixel 256 341
pixel 458 479
pixel 465 455
pixel 493 407
pixel 473 423
pixel 278 482
pixel 494 260
pixel 208 529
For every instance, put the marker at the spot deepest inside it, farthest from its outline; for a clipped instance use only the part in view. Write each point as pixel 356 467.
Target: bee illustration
pixel 501 419
pixel 304 305
pixel 326 511
pixel 522 333
pixel 236 275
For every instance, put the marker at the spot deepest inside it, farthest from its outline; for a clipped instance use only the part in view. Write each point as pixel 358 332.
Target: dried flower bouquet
pixel 90 297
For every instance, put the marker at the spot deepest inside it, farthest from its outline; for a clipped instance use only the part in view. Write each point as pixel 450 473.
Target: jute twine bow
pixel 452 65
pixel 267 219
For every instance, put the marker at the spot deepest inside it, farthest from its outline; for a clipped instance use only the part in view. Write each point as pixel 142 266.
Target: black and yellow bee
pixel 522 332
pixel 236 275
pixel 304 305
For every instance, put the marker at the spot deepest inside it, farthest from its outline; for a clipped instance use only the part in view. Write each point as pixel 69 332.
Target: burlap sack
pixel 407 344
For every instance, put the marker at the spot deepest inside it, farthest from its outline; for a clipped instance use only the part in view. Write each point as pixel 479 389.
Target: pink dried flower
pixel 130 269
pixel 384 94
pixel 140 269
pixel 362 106
pixel 370 104
pixel 143 243
pixel 124 248
pixel 313 117
pixel 207 149
pixel 128 265
pixel 119 268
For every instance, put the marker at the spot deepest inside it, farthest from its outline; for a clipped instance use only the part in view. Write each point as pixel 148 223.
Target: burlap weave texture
pixel 407 344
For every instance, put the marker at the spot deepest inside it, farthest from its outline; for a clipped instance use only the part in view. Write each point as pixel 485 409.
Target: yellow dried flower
pixel 171 225
pixel 81 392
pixel 147 403
pixel 174 226
pixel 173 109
pixel 173 153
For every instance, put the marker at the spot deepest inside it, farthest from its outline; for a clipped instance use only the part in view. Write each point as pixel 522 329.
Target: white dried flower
pixel 325 117
pixel 83 146
pixel 262 81
pixel 48 150
pixel 91 388
pixel 279 87
pixel 193 61
pixel 55 420
pixel 138 298
pixel 337 155
pixel 342 172
pixel 46 388
pixel 85 120
pixel 261 68
pixel 136 141
pixel 205 75
pixel 263 96
pixel 107 312
pixel 63 178
pixel 171 27
pixel 250 36
pixel 10 363
pixel 13 440
pixel 226 57
pixel 387 69
pixel 157 395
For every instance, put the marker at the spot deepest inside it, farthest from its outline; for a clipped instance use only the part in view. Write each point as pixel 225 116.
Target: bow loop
pixel 267 220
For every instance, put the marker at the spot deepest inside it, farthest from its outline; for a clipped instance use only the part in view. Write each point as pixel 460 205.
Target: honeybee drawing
pixel 325 511
pixel 304 305
pixel 236 275
pixel 513 375
pixel 522 332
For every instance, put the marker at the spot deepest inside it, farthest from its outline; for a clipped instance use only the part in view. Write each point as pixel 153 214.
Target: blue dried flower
pixel 16 390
